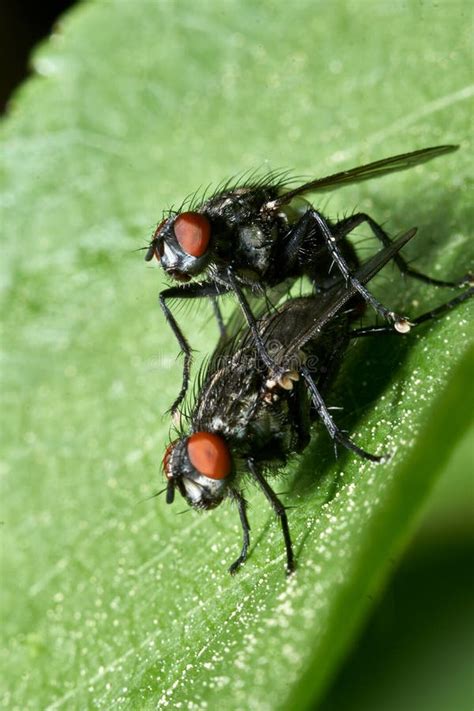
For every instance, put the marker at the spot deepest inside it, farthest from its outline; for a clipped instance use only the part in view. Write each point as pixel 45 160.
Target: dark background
pixel 23 23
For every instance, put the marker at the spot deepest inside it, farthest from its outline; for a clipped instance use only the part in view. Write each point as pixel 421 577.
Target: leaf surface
pixel 115 602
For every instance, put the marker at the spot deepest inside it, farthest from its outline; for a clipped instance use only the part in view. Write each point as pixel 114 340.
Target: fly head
pixel 181 243
pixel 200 467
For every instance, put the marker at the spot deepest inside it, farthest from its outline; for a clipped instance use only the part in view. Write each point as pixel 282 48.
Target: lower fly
pixel 247 421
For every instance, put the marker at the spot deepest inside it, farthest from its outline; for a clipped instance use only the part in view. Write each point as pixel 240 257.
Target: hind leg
pixel 344 227
pixel 428 316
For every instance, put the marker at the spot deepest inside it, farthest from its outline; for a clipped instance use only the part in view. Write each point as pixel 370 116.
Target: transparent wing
pixel 365 172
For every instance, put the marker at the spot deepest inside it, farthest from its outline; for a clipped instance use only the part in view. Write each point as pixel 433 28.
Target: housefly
pixel 260 235
pixel 246 422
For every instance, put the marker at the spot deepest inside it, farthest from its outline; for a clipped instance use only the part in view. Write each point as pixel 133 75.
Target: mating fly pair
pixel 255 403
pixel 262 235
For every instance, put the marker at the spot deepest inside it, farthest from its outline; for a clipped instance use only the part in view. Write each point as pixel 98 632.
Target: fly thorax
pixel 273 428
pixel 255 246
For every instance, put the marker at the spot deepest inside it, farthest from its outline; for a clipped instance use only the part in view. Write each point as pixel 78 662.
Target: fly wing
pixel 364 172
pixel 327 306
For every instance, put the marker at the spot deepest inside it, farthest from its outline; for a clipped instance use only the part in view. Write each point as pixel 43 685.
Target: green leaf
pixel 112 601
pixel 417 647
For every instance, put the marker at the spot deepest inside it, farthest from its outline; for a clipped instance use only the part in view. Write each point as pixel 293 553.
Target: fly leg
pixel 428 316
pixel 242 506
pixel 334 431
pixel 279 510
pixel 344 227
pixel 218 315
pixel 313 222
pixel 275 370
pixel 341 263
pixel 301 247
pixel 192 291
pixel 299 413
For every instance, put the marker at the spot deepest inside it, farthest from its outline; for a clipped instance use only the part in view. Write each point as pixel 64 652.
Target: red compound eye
pixel 193 232
pixel 209 454
pixel 166 459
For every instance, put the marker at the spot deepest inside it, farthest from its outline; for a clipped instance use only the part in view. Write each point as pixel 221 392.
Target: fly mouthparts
pixel 170 492
pixel 150 252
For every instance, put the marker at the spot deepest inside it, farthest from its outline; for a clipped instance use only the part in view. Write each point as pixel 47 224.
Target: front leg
pixel 242 505
pixel 193 291
pixel 279 510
